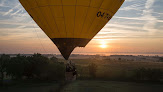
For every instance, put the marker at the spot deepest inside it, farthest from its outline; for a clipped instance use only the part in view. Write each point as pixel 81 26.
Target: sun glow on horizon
pixel 103 44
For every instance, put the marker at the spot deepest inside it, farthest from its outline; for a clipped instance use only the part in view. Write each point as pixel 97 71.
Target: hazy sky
pixel 136 27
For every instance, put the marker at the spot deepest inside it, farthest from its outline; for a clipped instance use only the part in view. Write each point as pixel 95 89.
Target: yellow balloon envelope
pixel 71 23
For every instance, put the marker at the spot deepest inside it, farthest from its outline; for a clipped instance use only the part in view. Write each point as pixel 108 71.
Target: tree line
pixel 36 67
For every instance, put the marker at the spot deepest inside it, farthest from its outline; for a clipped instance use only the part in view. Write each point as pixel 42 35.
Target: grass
pixel 111 86
pixel 32 87
pixel 87 86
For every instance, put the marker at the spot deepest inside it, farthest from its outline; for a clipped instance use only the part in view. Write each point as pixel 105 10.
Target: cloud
pixel 149 4
pixel 147 13
pixel 138 6
pixel 9 12
pixel 142 18
pixel 148 21
pixel 2 3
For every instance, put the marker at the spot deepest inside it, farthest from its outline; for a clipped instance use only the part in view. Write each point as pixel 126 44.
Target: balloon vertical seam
pixel 85 17
pixel 44 18
pixel 54 20
pixel 37 18
pixel 95 17
pixel 74 18
pixel 64 17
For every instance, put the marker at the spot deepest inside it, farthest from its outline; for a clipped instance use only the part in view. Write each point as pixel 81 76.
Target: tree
pixel 119 59
pixel 32 67
pixel 54 59
pixel 17 66
pixel 148 74
pixel 4 59
pixel 161 59
pixel 92 70
pixel 37 62
pixel 53 71
pixel 45 69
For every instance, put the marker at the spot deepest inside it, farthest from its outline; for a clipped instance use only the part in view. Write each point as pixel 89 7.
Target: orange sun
pixel 103 44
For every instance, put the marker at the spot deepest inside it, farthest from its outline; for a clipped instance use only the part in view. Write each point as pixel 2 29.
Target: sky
pixel 136 27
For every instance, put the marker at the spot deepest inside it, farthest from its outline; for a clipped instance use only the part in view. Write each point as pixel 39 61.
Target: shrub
pixel 54 71
pixel 92 70
pixel 147 74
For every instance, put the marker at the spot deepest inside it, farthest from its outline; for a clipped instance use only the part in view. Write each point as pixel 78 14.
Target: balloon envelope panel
pixel 70 21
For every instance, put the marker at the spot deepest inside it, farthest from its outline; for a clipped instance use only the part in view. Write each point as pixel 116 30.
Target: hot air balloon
pixel 71 23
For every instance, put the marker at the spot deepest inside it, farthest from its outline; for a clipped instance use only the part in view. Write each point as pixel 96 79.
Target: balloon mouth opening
pixel 67 45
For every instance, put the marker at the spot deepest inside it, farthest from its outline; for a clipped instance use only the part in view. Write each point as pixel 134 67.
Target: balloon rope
pixel 39 38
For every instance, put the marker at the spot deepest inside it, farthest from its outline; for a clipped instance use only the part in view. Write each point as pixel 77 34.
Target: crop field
pixel 114 69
